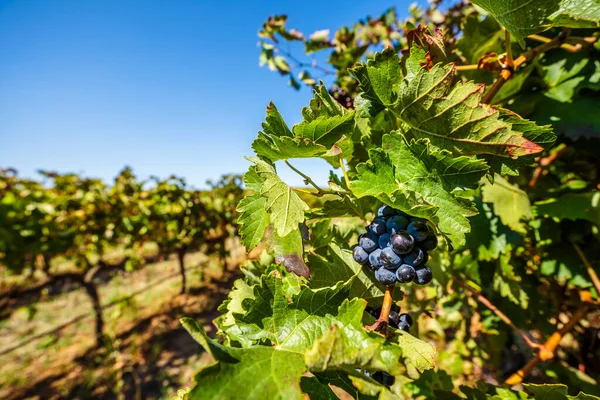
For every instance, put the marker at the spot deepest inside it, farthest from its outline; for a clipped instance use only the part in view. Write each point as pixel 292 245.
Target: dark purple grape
pixel 405 273
pixel 393 322
pixel 385 211
pixel 389 259
pixel 405 318
pixel 385 276
pixel 384 378
pixel 418 229
pixel 415 257
pixel 424 275
pixel 378 226
pixel 360 255
pixel 396 224
pixel 384 240
pixel 368 241
pixel 430 243
pixel 404 326
pixel 374 258
pixel 425 257
pixel 402 242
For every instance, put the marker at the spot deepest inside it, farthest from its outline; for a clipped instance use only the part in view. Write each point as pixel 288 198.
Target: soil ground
pixel 149 356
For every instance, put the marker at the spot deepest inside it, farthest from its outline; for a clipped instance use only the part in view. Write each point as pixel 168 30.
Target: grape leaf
pixel 454 118
pixel 263 371
pixel 337 265
pixel 348 345
pixel 316 390
pixel 555 392
pixel 522 19
pixel 253 219
pixel 489 237
pixel 233 304
pixel 380 78
pixel 571 206
pixel 318 135
pixel 285 207
pixel 510 203
pixel 421 181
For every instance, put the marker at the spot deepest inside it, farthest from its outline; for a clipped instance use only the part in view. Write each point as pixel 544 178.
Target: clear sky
pixel 166 87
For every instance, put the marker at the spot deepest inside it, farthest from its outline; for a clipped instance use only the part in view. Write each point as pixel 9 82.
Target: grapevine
pixel 451 136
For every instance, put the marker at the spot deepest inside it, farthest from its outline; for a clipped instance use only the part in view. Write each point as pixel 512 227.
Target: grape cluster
pixel 396 320
pixel 395 246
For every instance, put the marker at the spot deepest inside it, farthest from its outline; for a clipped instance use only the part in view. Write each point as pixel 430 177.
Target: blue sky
pixel 166 87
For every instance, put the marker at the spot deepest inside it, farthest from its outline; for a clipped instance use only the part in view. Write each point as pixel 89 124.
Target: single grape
pixel 374 258
pixel 396 224
pixel 360 255
pixel 430 243
pixel 389 259
pixel 402 242
pixel 405 273
pixel 405 318
pixel 384 378
pixel 393 322
pixel 384 240
pixel 418 229
pixel 385 276
pixel 385 211
pixel 425 257
pixel 424 275
pixel 368 241
pixel 404 326
pixel 415 257
pixel 378 226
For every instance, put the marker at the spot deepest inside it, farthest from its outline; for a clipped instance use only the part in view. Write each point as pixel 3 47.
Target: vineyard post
pixel 181 261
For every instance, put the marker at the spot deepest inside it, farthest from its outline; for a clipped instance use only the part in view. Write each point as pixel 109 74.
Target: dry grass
pixel 151 354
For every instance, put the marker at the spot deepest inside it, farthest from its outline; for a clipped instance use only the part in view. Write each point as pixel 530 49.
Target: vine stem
pixel 589 267
pixel 530 54
pixel 341 161
pixel 545 162
pixel 483 300
pixel 579 42
pixel 382 323
pixel 547 349
pixel 510 62
pixel 309 181
pixel 469 67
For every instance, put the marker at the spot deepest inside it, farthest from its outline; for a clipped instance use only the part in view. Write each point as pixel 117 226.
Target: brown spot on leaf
pixel 294 263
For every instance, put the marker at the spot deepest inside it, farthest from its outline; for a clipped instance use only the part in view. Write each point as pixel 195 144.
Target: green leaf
pixel 285 207
pixel 321 133
pixel 510 203
pixel 338 265
pixel 571 206
pixel 233 305
pixel 555 392
pixel 479 38
pixel 262 371
pixel 347 345
pixel 289 251
pixel 253 218
pixel 380 78
pixel 421 355
pixel 522 19
pixel 421 181
pixel 454 118
pixel 316 390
